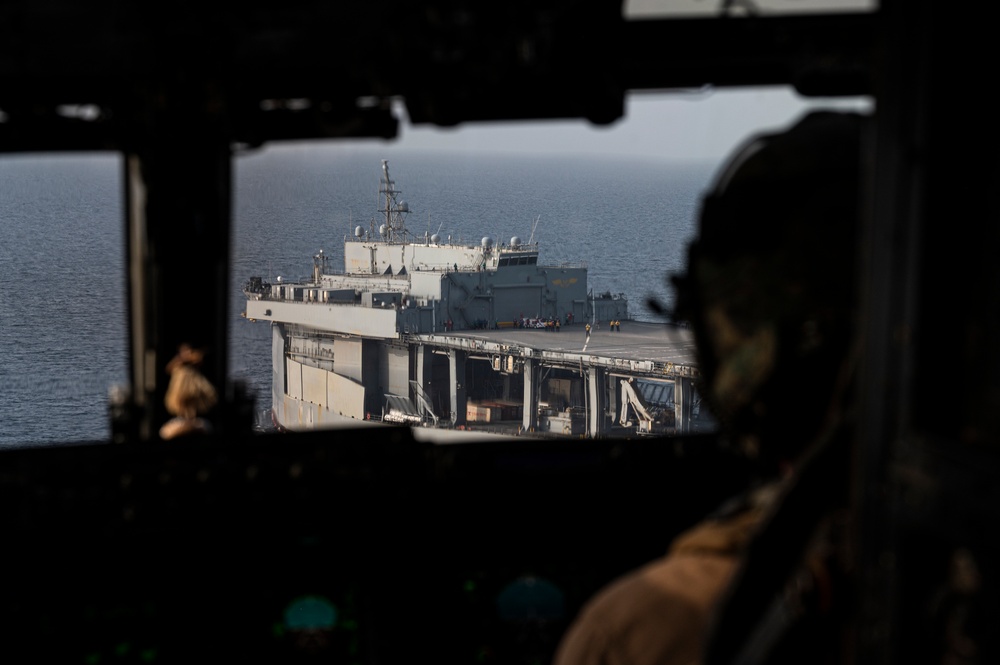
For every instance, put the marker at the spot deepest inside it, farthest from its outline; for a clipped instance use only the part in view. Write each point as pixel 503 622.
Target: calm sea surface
pixel 63 326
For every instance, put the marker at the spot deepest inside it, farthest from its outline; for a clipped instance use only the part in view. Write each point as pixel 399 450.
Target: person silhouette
pixel 769 293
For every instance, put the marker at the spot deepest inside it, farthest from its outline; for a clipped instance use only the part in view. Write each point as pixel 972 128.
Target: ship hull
pixel 515 381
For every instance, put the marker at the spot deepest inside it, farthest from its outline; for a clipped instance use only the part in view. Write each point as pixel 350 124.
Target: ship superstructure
pixel 390 336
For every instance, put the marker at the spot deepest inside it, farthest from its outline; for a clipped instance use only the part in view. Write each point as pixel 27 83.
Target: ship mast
pixel 393 211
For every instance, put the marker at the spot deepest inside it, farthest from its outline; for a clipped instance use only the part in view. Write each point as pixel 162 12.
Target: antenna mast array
pixel 534 226
pixel 394 211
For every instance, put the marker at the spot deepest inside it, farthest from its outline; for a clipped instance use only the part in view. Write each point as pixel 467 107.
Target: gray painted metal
pixel 529 418
pixel 595 405
pixel 346 319
pixel 314 388
pixel 294 374
pixel 349 360
pixel 347 398
pixel 683 405
pixel 648 350
pixel 457 393
pixel 396 369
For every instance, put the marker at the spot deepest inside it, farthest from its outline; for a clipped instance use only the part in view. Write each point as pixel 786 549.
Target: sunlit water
pixel 63 325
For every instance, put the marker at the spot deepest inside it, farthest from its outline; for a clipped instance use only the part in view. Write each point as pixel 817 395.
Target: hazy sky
pixel 681 8
pixel 692 125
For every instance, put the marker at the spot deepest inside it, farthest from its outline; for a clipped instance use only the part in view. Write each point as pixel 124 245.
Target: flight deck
pixel 566 382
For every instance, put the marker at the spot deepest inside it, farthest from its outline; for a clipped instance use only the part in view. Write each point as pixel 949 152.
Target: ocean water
pixel 62 305
pixel 63 325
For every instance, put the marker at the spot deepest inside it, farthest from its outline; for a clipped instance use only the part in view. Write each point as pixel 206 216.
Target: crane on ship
pixel 649 422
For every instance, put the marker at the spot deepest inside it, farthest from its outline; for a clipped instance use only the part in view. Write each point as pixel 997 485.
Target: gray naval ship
pixel 449 336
